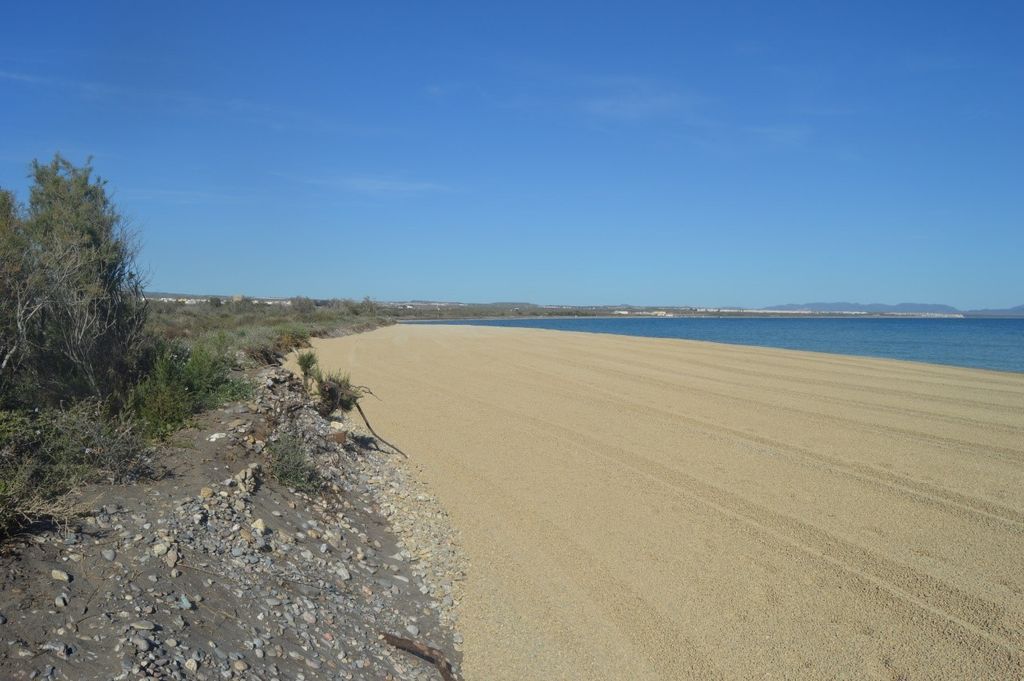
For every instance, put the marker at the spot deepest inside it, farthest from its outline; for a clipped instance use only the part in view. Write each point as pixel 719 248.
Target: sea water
pixel 981 343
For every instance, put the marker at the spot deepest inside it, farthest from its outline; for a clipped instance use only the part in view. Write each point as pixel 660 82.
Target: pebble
pixel 58 648
pixel 60 575
pixel 343 546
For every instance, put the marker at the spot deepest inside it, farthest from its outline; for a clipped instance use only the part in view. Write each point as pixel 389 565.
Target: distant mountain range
pixel 904 308
pixel 1008 312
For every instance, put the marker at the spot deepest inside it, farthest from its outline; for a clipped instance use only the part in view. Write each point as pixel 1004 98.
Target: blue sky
pixel 648 153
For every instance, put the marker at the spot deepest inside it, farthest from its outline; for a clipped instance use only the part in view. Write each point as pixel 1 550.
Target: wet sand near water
pixel 638 508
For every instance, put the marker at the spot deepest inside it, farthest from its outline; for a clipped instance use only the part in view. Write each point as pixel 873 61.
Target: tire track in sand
pixel 524 449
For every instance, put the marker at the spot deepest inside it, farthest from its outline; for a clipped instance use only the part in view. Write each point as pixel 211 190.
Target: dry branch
pixel 425 652
pixel 367 422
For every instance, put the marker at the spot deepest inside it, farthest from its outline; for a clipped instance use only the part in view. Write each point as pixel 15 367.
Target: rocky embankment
pixel 217 571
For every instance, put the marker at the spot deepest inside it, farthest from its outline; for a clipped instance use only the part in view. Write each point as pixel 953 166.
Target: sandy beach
pixel 660 509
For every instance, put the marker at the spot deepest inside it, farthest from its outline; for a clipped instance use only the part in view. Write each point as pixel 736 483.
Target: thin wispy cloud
pixel 933 63
pixel 728 140
pixel 610 103
pixel 778 135
pixel 180 196
pixel 542 88
pixel 22 77
pixel 634 105
pixel 636 99
pixel 380 186
pixel 690 115
pixel 826 111
pixel 374 186
pixel 235 109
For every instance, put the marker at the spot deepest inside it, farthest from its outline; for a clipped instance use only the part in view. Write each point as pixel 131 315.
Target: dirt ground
pixel 218 571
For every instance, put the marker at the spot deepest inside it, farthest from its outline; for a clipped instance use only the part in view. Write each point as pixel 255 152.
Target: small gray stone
pixel 58 648
pixel 109 554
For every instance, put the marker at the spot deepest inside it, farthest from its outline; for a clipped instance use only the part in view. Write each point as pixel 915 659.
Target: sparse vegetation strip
pixel 90 370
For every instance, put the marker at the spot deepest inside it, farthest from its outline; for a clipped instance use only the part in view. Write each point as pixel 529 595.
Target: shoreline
pixel 512 323
pixel 737 315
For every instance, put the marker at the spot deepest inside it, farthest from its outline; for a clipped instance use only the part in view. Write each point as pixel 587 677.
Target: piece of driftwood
pixel 367 422
pixel 424 652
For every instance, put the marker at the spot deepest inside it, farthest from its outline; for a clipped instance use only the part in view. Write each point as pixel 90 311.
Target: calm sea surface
pixel 982 343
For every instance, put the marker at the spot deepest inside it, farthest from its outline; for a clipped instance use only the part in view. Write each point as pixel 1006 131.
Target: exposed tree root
pixel 425 652
pixel 367 422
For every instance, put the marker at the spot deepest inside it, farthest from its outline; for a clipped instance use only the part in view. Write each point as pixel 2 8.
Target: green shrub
pixel 290 465
pixel 46 455
pixel 182 381
pixel 292 337
pixel 303 305
pixel 307 362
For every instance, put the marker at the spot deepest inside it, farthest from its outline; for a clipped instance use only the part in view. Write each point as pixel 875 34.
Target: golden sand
pixel 640 508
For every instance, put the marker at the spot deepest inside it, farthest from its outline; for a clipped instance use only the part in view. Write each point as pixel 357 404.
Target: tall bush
pixel 72 311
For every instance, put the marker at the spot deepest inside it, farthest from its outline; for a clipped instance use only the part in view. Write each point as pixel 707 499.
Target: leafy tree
pixel 72 316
